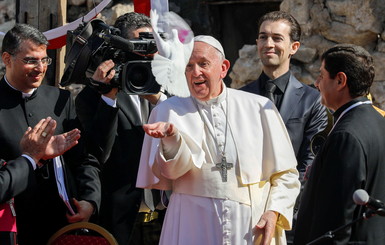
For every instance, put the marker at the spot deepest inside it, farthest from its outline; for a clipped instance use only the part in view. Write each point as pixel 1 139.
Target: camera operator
pixel 113 124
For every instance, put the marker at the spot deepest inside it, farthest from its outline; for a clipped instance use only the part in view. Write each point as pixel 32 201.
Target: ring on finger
pixel 44 134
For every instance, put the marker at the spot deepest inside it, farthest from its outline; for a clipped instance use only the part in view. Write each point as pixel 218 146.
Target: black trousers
pixel 8 238
pixel 147 233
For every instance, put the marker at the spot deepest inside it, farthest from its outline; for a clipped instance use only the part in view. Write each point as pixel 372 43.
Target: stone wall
pixel 325 23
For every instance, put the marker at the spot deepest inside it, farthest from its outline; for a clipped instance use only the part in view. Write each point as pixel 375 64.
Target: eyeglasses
pixel 46 61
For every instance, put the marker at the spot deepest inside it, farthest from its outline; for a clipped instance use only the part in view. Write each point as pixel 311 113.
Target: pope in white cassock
pixel 224 153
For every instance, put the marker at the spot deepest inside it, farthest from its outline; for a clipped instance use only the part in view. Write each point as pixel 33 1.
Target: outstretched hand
pixel 160 129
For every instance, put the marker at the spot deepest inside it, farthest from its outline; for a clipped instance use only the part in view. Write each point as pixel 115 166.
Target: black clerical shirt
pixel 281 83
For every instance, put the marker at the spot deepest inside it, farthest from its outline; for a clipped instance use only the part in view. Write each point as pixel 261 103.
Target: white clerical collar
pixel 217 100
pixel 24 95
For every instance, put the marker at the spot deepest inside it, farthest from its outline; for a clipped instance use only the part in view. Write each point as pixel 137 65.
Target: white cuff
pixel 109 101
pixel 33 163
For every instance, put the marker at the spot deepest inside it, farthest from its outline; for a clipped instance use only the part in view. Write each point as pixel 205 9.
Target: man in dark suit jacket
pixel 351 158
pixel 23 103
pixel 37 143
pixel 113 123
pixel 299 105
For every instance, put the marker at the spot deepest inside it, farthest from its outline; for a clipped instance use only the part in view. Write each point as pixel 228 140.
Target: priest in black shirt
pixel 351 158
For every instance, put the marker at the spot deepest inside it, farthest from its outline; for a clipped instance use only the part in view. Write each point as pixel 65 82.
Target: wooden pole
pixel 45 15
pixel 62 20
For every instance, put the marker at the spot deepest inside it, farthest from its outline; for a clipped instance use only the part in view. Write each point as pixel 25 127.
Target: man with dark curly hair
pixel 113 123
pixel 351 158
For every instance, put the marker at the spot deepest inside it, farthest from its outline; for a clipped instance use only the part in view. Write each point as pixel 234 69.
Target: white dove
pixel 174 52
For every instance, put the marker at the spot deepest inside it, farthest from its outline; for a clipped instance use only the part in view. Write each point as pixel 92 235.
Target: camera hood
pixel 81 42
pixel 93 42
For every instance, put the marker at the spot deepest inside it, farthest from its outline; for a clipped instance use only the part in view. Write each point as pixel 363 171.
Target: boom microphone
pixel 361 197
pixel 117 42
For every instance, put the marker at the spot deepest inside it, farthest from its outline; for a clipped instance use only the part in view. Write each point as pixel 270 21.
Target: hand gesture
pixel 160 129
pixel 39 142
pixel 61 143
pixel 34 141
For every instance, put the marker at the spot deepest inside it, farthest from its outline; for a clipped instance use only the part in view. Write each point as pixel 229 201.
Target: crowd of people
pixel 221 166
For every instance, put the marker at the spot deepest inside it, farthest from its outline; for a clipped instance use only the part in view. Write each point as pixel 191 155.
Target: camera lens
pixel 138 75
pixel 137 78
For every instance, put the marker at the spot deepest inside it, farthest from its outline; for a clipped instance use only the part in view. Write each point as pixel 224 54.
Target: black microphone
pixel 117 42
pixel 361 197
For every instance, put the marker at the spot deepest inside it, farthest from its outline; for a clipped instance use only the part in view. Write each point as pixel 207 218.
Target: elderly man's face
pixel 205 71
pixel 20 75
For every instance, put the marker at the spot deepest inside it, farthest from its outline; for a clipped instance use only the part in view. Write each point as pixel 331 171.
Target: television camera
pixel 94 42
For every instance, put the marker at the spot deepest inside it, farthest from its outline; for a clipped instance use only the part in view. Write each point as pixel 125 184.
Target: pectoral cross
pixel 223 166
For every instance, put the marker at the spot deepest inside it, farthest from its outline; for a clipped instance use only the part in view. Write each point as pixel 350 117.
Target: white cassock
pixel 203 209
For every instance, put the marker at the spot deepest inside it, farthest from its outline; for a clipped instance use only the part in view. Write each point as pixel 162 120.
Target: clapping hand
pixel 61 143
pixel 40 143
